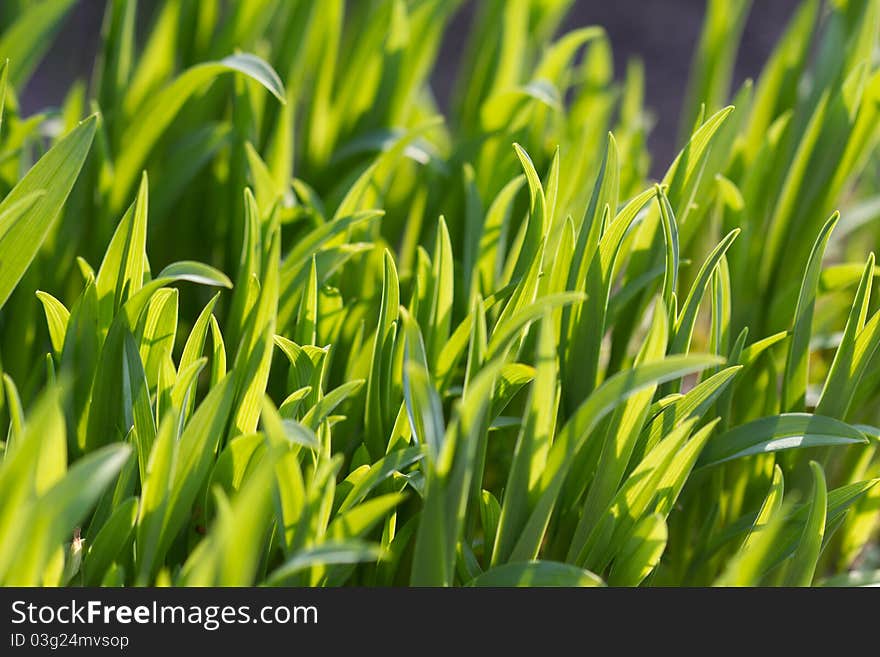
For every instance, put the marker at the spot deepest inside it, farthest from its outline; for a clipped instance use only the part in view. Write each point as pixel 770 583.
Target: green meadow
pixel 271 313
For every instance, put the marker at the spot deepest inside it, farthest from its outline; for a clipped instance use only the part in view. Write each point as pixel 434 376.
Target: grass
pixel 269 317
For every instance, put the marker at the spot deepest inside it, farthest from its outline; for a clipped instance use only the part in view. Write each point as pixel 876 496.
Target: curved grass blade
pixel 22 234
pixel 57 317
pixel 143 130
pixel 777 433
pixel 350 551
pixel 684 325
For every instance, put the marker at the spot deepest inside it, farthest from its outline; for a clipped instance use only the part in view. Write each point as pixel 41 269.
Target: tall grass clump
pixel 270 317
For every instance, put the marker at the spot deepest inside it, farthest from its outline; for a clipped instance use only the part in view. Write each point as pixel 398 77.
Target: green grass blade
pixel 802 565
pixel 857 347
pixel 537 573
pixel 777 433
pixel 769 509
pixel 54 174
pixel 63 507
pixel 113 539
pixel 684 324
pixel 797 363
pixel 325 554
pixel 642 552
pixel 532 446
pixel 621 437
pixel 376 413
pixel 57 317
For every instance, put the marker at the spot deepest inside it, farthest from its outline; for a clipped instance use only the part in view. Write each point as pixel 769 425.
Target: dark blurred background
pixel 661 32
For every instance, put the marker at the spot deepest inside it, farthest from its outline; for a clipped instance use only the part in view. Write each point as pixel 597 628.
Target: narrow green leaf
pixel 63 507
pixel 111 541
pixel 22 233
pixel 684 325
pixel 57 317
pixel 326 554
pixel 771 506
pixel 150 122
pixel 802 565
pixel 779 432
